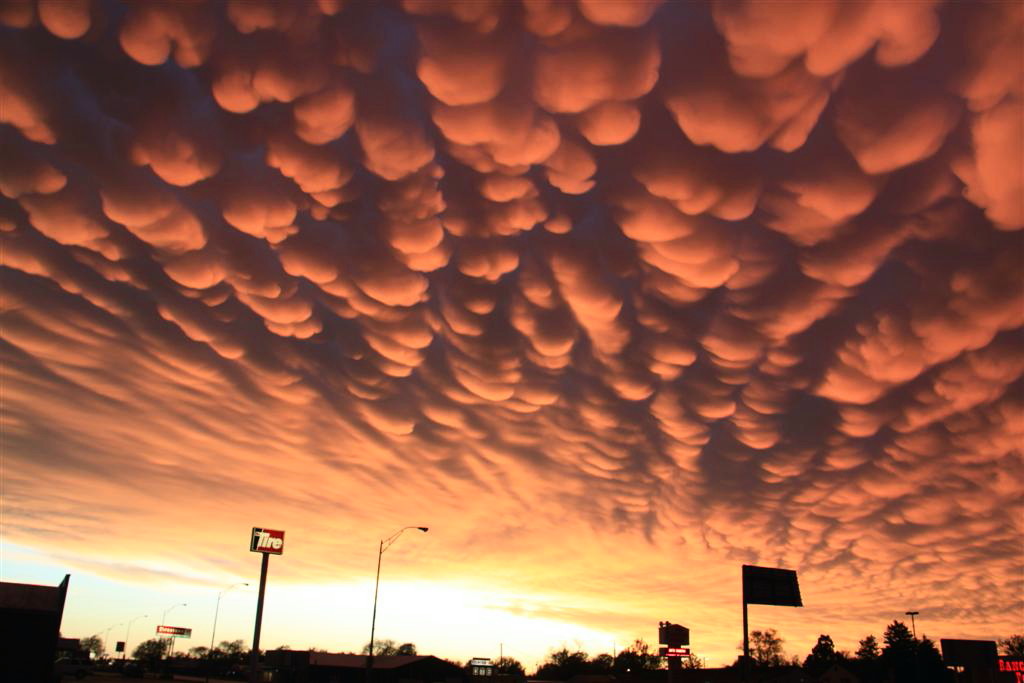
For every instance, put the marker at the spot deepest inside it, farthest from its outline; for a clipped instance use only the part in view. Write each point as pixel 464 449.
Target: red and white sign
pixel 174 631
pixel 674 651
pixel 267 541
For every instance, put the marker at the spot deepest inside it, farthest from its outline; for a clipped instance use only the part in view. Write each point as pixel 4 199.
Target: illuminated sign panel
pixel 1011 666
pixel 674 651
pixel 268 541
pixel 174 631
pixel 481 666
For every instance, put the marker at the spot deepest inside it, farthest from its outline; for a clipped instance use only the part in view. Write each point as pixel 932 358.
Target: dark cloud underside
pixel 746 270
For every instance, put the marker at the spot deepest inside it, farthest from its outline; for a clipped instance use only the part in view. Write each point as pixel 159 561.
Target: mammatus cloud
pixel 635 288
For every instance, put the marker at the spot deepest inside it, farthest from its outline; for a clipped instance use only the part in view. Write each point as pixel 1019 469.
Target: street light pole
pixel 384 545
pixel 106 634
pixel 163 622
pixel 913 625
pixel 213 633
pixel 128 631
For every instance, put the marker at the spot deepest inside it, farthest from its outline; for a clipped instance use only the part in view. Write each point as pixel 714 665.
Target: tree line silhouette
pixel 900 657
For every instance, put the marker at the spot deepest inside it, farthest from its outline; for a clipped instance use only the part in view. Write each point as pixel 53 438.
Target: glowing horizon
pixel 614 297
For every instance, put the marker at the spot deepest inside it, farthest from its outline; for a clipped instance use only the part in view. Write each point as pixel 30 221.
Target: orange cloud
pixel 613 296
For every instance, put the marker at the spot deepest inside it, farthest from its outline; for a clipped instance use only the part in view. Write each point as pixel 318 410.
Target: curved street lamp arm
pixel 387 542
pixel 167 611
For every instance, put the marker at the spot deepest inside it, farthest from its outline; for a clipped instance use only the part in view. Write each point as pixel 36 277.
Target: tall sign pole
pixel 675 641
pixel 746 640
pixel 766 586
pixel 254 655
pixel 268 542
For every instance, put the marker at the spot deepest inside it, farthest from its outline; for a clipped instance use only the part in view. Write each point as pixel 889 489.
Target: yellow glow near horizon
pixel 443 619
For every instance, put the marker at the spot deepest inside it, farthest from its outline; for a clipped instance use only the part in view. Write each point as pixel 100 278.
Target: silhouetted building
pixel 837 673
pixel 303 666
pixel 71 647
pixel 974 661
pixel 729 674
pixel 30 619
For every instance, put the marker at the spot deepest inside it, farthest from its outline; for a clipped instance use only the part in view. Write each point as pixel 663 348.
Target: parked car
pixel 70 666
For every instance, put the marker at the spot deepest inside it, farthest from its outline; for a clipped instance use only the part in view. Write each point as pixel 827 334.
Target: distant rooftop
pixel 359 661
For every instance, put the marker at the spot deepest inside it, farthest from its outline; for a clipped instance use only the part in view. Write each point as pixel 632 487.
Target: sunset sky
pixel 614 297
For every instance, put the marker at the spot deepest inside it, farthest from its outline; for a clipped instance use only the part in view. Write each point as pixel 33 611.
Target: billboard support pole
pixel 746 640
pixel 674 664
pixel 254 655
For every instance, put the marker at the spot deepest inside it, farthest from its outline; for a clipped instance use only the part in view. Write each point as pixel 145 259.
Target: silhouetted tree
pixel 693 661
pixel 898 639
pixel 200 652
pixel 386 647
pixel 94 645
pixel 766 648
pixel 562 665
pixel 637 657
pixel 507 666
pixel 229 653
pixel 1012 646
pixel 868 663
pixel 868 650
pixel 151 651
pixel 929 665
pixel 602 663
pixel 823 655
pixel 898 655
pixel 906 659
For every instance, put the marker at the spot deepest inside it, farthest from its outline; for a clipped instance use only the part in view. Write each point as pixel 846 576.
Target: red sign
pixel 175 631
pixel 1011 669
pixel 674 651
pixel 267 541
pixel 1011 665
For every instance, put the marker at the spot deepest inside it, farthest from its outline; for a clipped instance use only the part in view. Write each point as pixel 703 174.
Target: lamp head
pixel 422 528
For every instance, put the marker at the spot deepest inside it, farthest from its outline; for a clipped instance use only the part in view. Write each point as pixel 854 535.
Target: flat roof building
pixel 304 666
pixel 30 617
